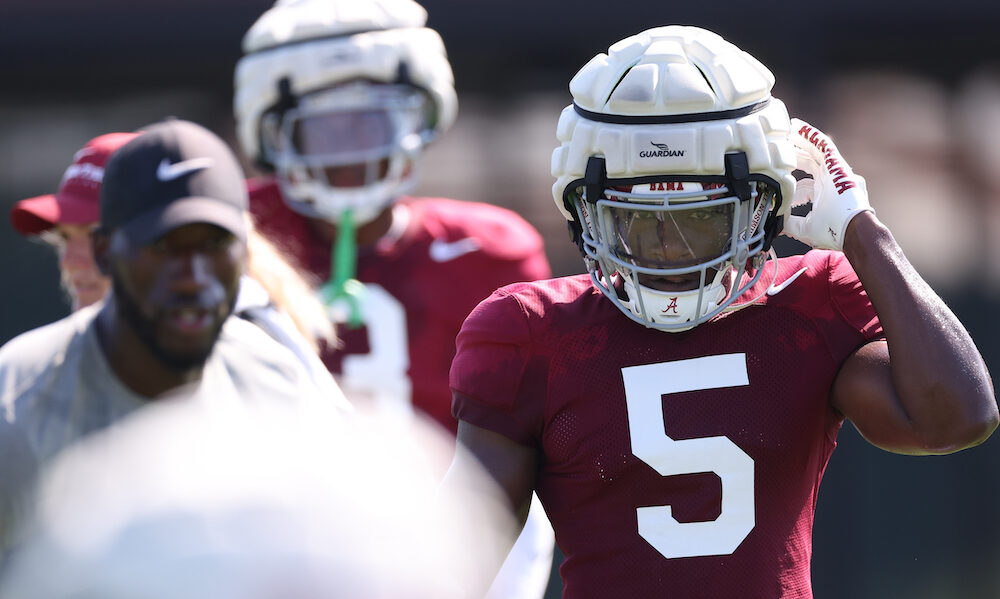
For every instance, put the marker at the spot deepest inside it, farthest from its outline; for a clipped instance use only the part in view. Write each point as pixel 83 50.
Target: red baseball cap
pixel 79 196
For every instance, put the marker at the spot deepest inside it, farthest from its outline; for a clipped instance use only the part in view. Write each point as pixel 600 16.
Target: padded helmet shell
pixel 316 44
pixel 694 80
pixel 679 104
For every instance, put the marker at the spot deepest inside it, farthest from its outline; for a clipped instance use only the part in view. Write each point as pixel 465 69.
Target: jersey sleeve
pixel 532 264
pixel 534 267
pixel 491 368
pixel 850 321
pixel 514 249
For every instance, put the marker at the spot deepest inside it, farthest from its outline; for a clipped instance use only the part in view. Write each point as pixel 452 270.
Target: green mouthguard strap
pixel 342 286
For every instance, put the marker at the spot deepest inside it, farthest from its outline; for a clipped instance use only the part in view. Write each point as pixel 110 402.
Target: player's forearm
pixel 939 375
pixel 496 475
pixel 459 488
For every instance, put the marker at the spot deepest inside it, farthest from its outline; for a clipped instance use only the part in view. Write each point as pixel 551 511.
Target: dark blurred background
pixel 909 90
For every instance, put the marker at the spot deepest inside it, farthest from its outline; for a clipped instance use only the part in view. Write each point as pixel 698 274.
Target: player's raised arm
pixel 925 389
pixel 675 407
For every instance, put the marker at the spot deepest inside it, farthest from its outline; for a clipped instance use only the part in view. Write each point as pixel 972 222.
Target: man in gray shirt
pixel 173 241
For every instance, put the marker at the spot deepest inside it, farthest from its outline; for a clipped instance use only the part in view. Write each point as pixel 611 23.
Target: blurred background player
pixel 339 98
pixel 675 408
pixel 272 294
pixel 172 240
pixel 190 501
pixel 66 218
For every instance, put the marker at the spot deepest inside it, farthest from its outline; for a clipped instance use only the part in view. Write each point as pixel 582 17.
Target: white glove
pixel 836 192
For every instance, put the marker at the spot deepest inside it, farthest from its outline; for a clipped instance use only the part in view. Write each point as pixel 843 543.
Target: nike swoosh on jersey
pixel 446 251
pixel 776 289
pixel 166 171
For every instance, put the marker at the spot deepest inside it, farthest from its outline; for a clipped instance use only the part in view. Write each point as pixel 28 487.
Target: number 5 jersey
pixel 671 464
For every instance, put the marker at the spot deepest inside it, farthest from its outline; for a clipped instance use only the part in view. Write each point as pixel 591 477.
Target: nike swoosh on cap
pixel 166 171
pixel 83 152
pixel 446 251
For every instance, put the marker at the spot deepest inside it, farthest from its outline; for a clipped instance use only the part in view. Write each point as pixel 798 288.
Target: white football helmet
pixel 675 172
pixel 327 84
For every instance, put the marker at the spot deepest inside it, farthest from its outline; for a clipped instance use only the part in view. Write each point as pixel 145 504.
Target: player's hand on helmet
pixel 837 194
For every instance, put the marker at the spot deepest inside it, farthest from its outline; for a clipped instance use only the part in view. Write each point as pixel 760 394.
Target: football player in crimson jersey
pixel 675 408
pixel 338 98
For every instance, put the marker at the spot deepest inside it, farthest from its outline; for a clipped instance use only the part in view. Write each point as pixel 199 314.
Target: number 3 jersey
pixel 671 464
pixel 418 290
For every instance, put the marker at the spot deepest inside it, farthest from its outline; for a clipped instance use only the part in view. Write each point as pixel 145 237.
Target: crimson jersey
pixel 672 464
pixel 419 289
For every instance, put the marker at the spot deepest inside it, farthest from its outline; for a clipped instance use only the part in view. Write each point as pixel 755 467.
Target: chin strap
pixel 343 288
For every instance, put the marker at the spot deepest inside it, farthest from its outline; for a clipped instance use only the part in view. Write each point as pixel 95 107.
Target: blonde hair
pixel 293 292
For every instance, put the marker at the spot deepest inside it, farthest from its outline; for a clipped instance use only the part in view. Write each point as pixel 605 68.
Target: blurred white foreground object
pixel 182 501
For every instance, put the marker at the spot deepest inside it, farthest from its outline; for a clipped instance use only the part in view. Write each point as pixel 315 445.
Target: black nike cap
pixel 174 173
